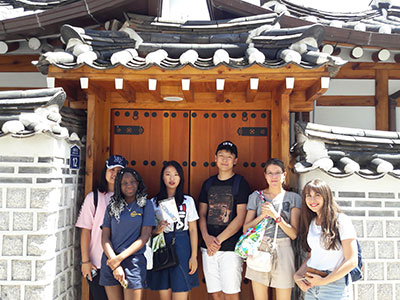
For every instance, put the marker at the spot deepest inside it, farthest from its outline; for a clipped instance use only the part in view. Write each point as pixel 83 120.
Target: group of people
pixel 117 220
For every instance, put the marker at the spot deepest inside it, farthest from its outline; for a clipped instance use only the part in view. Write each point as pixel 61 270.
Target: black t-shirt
pixel 222 207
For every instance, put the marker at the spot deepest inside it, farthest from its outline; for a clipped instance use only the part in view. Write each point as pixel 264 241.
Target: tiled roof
pixel 383 16
pixel 35 4
pixel 147 41
pixel 24 113
pixel 341 151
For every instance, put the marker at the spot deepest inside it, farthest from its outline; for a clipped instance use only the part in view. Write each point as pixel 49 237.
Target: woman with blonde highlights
pixel 330 240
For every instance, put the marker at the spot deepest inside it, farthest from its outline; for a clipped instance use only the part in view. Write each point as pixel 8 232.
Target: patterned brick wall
pixel 374 207
pixel 39 197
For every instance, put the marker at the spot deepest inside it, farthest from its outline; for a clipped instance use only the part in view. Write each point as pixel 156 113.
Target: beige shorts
pixel 282 276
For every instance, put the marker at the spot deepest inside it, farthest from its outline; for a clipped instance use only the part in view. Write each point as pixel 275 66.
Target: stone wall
pixel 374 207
pixel 39 197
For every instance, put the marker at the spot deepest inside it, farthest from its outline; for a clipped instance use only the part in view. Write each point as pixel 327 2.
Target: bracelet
pixel 278 219
pixel 115 269
pixel 85 262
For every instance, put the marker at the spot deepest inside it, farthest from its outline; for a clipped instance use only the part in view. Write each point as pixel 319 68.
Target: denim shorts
pixel 337 290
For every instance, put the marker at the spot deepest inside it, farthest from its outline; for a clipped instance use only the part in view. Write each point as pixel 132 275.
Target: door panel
pixel 147 138
pixel 249 130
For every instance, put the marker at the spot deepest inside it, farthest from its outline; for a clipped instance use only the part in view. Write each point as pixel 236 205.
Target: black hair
pixel 276 162
pixel 163 194
pixel 103 185
pixel 117 202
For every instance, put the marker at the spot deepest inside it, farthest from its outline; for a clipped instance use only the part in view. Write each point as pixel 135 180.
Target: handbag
pixel 165 257
pixel 263 261
pixel 249 242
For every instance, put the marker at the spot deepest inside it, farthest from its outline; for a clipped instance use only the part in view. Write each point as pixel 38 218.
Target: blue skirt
pixel 176 278
pixel 135 272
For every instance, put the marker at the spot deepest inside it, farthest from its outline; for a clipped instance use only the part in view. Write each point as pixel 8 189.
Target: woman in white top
pixel 176 282
pixel 330 240
pixel 265 204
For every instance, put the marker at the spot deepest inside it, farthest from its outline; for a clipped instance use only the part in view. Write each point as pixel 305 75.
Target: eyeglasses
pixel 270 174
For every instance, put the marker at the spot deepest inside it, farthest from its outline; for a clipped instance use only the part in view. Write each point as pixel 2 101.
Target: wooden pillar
pixel 280 126
pixel 382 100
pixel 97 146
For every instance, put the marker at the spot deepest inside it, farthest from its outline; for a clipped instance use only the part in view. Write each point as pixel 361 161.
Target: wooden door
pixel 148 138
pixel 248 130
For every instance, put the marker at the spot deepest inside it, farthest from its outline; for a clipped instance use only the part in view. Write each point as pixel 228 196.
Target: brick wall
pixel 374 207
pixel 39 197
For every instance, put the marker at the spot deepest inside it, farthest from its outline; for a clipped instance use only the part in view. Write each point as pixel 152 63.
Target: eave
pixel 95 12
pixel 332 34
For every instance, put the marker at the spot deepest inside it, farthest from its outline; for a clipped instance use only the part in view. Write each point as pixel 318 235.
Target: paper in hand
pixel 169 211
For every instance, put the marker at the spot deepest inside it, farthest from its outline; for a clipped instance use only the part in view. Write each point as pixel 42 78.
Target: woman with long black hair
pixel 176 282
pixel 126 228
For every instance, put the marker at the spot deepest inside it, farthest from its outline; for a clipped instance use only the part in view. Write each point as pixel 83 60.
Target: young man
pixel 222 211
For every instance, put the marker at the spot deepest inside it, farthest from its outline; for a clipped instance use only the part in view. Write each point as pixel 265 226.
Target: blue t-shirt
pixel 128 230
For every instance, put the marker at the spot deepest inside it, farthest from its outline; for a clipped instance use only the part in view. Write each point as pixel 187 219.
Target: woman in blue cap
pixel 127 226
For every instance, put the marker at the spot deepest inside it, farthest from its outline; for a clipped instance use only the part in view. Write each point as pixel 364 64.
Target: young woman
pixel 176 282
pixel 90 219
pixel 330 240
pixel 126 228
pixel 264 204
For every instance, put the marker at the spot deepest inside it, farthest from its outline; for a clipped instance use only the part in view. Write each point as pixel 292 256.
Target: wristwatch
pixel 278 219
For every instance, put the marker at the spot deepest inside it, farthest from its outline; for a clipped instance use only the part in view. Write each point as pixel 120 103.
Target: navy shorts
pixel 135 272
pixel 176 278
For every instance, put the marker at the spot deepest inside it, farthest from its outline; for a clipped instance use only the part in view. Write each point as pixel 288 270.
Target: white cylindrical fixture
pixel 3 47
pixel 254 83
pixel 84 82
pixel 289 82
pixel 220 84
pixel 50 82
pixel 34 43
pixel 384 55
pixel 328 49
pixel 325 82
pixel 152 84
pixel 119 83
pixel 185 84
pixel 356 52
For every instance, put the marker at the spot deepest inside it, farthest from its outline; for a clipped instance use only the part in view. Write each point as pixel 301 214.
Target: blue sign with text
pixel 74 157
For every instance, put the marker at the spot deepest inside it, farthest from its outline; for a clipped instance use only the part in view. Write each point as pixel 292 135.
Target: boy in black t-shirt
pixel 222 211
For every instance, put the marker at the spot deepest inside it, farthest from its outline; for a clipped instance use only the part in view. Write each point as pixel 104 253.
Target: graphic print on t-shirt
pixel 182 216
pixel 220 203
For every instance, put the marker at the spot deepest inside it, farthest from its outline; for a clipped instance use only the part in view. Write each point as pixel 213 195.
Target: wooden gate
pixel 147 138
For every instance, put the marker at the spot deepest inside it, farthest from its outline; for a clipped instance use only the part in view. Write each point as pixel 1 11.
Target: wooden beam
pixel 188 95
pixel 128 92
pixel 382 100
pixel 317 89
pixel 346 101
pixel 18 63
pixel 220 96
pixel 188 71
pixel 280 114
pixel 250 94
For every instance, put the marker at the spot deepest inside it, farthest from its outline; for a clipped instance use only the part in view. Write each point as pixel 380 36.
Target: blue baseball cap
pixel 116 161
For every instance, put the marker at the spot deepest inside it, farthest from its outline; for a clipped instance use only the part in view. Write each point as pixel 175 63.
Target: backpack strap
pixel 236 184
pixel 95 200
pixel 209 182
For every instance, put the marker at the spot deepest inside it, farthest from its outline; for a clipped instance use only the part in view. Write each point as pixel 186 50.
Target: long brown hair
pixel 330 238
